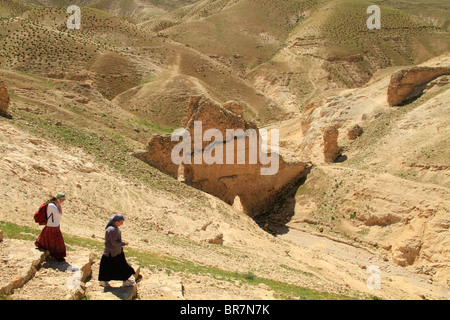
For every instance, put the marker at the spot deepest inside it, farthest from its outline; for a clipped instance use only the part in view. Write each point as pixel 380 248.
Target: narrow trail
pixel 362 266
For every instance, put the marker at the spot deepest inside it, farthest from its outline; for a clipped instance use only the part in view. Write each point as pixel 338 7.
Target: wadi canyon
pixel 361 119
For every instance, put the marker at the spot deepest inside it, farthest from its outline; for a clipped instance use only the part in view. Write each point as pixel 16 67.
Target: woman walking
pixel 51 238
pixel 113 265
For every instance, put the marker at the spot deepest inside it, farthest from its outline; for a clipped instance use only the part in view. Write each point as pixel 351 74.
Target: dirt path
pixel 363 266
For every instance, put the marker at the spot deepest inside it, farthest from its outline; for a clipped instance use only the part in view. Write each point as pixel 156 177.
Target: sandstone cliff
pixel 409 83
pixel 240 179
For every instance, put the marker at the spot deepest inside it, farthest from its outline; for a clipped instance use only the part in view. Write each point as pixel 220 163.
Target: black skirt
pixel 114 268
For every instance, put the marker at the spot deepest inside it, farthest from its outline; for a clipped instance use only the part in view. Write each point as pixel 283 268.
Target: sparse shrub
pixel 249 275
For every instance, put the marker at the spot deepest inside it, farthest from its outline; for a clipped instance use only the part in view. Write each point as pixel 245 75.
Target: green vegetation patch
pixel 153 260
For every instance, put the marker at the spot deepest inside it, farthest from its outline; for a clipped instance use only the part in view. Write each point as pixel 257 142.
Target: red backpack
pixel 40 215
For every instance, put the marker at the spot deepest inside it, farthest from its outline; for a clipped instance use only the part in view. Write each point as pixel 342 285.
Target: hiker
pixel 51 238
pixel 113 265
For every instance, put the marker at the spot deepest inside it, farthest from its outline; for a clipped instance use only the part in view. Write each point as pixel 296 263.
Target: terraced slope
pixel 332 48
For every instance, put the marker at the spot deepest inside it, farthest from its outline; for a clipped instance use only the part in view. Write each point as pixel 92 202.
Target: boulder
pixel 218 239
pixel 354 132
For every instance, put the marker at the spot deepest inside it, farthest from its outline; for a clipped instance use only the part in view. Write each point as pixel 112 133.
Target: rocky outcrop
pixel 354 132
pixel 331 150
pixel 224 156
pixel 4 99
pixel 158 154
pixel 19 264
pixel 29 274
pixel 409 83
pixel 407 251
pixel 438 82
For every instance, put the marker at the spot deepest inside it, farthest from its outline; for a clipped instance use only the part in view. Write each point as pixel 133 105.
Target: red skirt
pixel 51 239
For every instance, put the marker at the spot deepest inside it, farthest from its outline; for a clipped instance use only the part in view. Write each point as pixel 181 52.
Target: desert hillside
pixel 363 119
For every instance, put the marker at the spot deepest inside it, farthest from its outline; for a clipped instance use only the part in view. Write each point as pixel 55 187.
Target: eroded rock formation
pixel 331 150
pixel 251 175
pixel 4 99
pixel 409 83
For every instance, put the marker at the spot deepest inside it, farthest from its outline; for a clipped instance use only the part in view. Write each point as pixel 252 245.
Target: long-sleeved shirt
pixel 113 241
